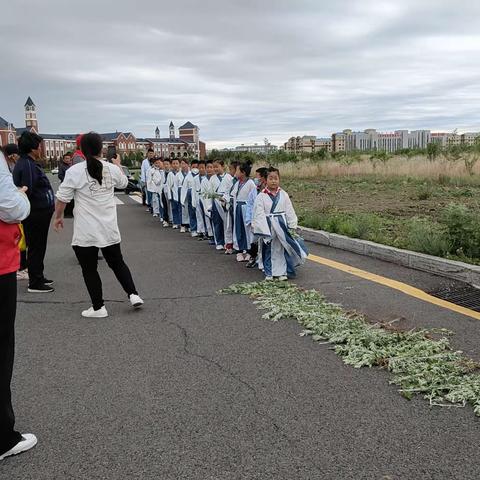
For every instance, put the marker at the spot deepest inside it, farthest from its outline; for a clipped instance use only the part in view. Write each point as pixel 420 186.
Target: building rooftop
pixel 29 103
pixel 3 123
pixel 188 125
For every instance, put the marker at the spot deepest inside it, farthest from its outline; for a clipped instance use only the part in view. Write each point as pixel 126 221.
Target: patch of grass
pixel 426 237
pixel 421 361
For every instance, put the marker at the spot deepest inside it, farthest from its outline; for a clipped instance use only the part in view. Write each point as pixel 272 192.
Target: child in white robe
pixel 188 197
pixel 167 207
pixel 157 175
pixel 196 200
pixel 182 190
pixel 220 184
pixel 242 236
pixel 274 221
pixel 151 188
pixel 172 190
pixel 206 201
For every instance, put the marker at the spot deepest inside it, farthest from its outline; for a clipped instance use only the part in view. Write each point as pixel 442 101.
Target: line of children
pixel 254 218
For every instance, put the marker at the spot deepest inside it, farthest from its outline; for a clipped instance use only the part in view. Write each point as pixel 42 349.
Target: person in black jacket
pixel 29 173
pixel 65 164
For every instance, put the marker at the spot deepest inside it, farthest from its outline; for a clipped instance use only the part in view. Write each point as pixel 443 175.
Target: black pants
pixel 164 201
pixel 68 213
pixel 23 260
pixel 88 259
pixel 253 249
pixel 36 228
pixel 8 306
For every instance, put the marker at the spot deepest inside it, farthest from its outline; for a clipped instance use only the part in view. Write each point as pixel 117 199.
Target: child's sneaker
pixel 219 247
pixel 136 301
pixel 240 257
pixel 247 257
pixel 183 229
pixel 268 279
pixel 165 224
pixel 283 278
pixel 91 313
pixel 175 227
pixel 155 215
pixel 229 251
pixel 194 234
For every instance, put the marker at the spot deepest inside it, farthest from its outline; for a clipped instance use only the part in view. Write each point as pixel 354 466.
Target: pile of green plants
pixel 421 361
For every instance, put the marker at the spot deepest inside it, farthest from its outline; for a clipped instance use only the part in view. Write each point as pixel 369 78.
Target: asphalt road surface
pixel 198 386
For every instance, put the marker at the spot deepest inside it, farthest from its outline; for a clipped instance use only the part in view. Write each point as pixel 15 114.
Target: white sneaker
pixel 283 278
pixel 194 234
pixel 175 227
pixel 268 279
pixel 165 224
pixel 219 247
pixel 183 229
pixel 247 257
pixel 240 257
pixel 91 313
pixel 136 301
pixel 155 215
pixel 28 442
pixel 22 275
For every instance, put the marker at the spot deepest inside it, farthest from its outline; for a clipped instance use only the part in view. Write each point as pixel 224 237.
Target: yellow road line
pixel 402 287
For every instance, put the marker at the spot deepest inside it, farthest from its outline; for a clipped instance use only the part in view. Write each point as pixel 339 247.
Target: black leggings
pixel 88 258
pixel 8 305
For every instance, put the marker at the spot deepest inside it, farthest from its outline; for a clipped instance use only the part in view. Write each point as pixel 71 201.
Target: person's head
pixel 11 152
pixel 150 154
pixel 243 171
pixel 175 165
pixel 273 179
pixel 78 141
pixel 91 145
pixel 209 168
pixel 157 163
pixel 233 167
pixel 201 168
pixel 30 143
pixel 261 175
pixel 166 164
pixel 67 158
pixel 219 167
pixel 184 165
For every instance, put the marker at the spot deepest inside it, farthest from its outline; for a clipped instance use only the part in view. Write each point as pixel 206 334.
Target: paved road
pixel 197 386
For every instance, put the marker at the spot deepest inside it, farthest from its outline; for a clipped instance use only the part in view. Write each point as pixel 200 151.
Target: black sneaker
pixel 42 288
pixel 48 282
pixel 252 263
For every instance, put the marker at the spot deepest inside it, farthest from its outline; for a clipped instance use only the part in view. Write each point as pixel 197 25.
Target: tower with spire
pixel 157 133
pixel 172 131
pixel 31 114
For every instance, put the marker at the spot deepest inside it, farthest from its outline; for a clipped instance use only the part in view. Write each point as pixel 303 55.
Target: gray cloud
pixel 242 70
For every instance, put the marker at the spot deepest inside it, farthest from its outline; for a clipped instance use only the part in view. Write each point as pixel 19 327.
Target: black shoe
pixel 42 288
pixel 48 282
pixel 252 263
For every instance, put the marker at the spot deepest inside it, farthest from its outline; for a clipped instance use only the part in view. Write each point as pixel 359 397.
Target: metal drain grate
pixel 464 296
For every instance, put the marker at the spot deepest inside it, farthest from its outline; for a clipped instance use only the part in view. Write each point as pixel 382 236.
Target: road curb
pixel 419 261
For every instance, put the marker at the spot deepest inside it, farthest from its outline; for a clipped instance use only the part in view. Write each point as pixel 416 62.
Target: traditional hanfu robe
pixel 230 213
pixel 187 199
pixel 181 176
pixel 158 179
pixel 273 217
pixel 166 194
pixel 242 235
pixel 220 184
pixel 173 190
pixel 196 199
pixel 205 204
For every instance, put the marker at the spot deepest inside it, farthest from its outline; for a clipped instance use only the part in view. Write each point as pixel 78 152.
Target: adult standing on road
pixel 146 164
pixel 62 169
pixel 14 207
pixel 29 173
pixel 95 225
pixel 11 155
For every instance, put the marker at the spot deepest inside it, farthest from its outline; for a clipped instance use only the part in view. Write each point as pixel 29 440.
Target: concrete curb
pixel 461 271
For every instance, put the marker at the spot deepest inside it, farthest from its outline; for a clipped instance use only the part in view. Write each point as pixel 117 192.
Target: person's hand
pixel 58 224
pixel 23 189
pixel 116 160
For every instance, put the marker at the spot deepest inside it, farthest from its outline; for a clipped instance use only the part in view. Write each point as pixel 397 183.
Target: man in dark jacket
pixel 65 164
pixel 29 173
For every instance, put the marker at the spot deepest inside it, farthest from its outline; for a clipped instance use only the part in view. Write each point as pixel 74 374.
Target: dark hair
pixel 273 170
pixel 263 172
pixel 67 154
pixel 10 149
pixel 219 161
pixel 166 159
pixel 194 162
pixel 150 150
pixel 235 164
pixel 202 162
pixel 92 145
pixel 209 162
pixel 246 168
pixel 29 141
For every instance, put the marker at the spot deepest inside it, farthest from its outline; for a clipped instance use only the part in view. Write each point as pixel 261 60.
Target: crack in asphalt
pixel 79 302
pixel 251 388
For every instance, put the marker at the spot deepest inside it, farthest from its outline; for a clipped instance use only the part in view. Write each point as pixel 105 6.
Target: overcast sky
pixel 242 70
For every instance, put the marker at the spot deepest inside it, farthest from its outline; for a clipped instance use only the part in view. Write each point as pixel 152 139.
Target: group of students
pixel 253 218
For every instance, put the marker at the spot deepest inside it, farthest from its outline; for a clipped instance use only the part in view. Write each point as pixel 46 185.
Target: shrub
pixel 424 192
pixel 427 237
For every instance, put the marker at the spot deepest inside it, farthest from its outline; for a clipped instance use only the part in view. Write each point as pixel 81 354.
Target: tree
pixel 433 151
pixel 472 156
pixel 379 156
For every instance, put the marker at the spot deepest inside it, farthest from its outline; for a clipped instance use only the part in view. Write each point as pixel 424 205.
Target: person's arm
pixel 120 180
pixel 292 219
pixel 22 175
pixel 61 172
pixel 14 204
pixel 65 194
